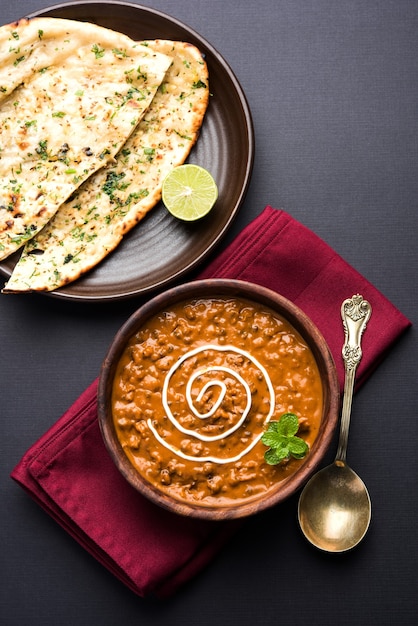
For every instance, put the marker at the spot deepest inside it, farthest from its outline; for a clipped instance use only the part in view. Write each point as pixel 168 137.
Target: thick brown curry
pixel 195 389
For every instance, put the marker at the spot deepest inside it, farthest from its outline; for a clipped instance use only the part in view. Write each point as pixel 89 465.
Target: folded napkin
pixel 70 474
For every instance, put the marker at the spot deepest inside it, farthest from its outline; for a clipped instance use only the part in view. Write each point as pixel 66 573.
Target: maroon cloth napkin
pixel 70 474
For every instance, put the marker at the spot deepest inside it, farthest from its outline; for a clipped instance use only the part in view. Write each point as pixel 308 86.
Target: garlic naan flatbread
pixel 93 222
pixel 71 94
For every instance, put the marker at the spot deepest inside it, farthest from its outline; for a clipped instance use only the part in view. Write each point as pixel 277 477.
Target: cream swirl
pixel 222 391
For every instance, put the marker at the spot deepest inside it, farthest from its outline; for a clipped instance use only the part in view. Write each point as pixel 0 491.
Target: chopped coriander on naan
pixel 71 93
pixel 94 220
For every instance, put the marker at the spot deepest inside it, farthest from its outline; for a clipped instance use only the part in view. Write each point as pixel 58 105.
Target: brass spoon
pixel 334 507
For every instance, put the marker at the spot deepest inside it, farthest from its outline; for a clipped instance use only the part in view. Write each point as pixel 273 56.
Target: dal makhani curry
pixel 195 390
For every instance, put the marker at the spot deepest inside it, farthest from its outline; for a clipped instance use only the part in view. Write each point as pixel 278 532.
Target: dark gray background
pixel 333 91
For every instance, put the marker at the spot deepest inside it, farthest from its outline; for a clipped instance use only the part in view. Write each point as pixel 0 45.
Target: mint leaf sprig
pixel 281 438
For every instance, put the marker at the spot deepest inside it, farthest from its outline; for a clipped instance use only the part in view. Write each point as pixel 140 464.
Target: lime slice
pixel 189 192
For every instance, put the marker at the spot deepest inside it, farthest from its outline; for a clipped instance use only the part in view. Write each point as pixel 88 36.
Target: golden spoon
pixel 334 507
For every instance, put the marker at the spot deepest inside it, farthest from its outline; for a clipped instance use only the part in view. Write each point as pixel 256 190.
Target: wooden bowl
pixel 213 288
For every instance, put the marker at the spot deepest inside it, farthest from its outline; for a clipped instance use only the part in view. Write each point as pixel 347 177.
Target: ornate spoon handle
pixel 355 313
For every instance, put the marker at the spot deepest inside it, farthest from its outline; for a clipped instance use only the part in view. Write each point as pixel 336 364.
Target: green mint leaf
pixel 281 440
pixel 271 457
pixel 297 447
pixel 288 424
pixel 271 436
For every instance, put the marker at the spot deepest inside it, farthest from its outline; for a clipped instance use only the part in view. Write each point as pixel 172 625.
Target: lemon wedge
pixel 189 192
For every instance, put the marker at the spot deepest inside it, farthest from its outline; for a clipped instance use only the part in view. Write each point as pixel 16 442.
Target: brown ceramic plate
pixel 161 249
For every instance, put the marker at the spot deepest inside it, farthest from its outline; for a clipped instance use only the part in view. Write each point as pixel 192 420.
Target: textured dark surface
pixel 333 93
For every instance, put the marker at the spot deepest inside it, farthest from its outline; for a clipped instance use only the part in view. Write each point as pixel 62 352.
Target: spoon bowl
pixel 334 508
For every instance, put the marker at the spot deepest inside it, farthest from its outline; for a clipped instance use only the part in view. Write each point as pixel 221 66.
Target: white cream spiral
pixel 223 390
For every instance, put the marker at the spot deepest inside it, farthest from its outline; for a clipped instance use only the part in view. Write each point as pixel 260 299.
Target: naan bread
pixel 93 222
pixel 71 94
